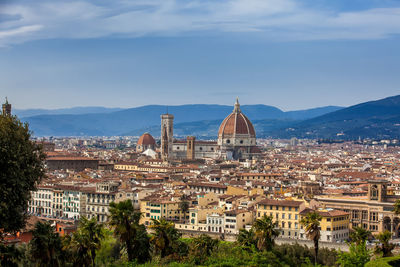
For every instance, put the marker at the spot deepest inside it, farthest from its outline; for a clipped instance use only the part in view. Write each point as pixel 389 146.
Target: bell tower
pixel 6 108
pixel 190 147
pixel 167 133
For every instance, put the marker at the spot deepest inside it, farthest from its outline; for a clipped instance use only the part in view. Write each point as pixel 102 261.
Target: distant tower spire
pixel 237 106
pixel 6 108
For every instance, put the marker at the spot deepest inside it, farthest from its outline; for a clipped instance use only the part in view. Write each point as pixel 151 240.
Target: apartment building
pixel 334 224
pixel 285 212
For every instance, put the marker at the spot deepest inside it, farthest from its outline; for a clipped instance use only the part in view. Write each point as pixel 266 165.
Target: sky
pixel 292 54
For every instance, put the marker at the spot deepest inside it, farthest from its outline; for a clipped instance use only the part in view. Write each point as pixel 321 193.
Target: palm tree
pixel 94 233
pixel 246 238
pixel 45 246
pixel 385 247
pixel 184 207
pixel 85 241
pixel 266 231
pixel 201 247
pixel 125 222
pixel 76 248
pixel 164 237
pixel 311 223
pixel 359 235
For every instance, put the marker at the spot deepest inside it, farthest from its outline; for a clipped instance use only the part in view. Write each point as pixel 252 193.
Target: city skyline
pixel 289 54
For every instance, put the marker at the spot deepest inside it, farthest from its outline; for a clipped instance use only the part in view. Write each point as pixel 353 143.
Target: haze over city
pixel 290 54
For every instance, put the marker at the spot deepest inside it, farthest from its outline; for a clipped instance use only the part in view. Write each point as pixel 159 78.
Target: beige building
pixel 98 200
pixel 373 212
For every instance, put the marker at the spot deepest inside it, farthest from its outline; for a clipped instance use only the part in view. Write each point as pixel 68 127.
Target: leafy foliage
pixel 124 220
pixel 385 247
pixel 22 167
pixel 164 238
pixel 84 243
pixel 45 246
pixel 247 238
pixel 266 231
pixel 357 256
pixel 396 207
pixel 201 248
pixel 359 235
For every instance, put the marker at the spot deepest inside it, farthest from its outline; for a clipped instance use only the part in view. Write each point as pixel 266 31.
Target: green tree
pixel 384 245
pixel 10 255
pixel 45 248
pixel 396 207
pixel 311 223
pixel 22 168
pixel 164 237
pixel 85 241
pixel 125 222
pixel 266 231
pixel 201 248
pixel 109 251
pixel 76 249
pixel 94 233
pixel 246 238
pixel 184 207
pixel 359 235
pixel 357 256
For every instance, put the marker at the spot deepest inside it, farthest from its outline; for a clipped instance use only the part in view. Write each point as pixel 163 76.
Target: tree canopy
pixel 22 167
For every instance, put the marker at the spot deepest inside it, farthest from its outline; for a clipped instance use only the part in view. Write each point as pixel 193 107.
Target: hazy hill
pixel 75 110
pixel 373 119
pixel 128 121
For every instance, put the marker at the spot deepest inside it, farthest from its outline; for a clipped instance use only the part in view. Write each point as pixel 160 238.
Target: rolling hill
pixel 378 119
pixel 134 120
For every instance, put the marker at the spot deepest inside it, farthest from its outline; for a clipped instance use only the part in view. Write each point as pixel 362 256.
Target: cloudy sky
pixel 292 54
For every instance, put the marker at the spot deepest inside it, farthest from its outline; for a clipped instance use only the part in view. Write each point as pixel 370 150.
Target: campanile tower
pixel 167 133
pixel 6 108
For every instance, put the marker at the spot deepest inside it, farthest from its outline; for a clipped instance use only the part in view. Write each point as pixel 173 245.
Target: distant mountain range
pixel 76 110
pixel 198 120
pixel 375 119
pixel 378 119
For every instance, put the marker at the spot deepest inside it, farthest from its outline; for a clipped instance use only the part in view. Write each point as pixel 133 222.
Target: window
pixel 228 141
pixel 241 141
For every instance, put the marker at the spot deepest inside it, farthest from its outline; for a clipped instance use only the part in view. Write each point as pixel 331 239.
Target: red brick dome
pixel 146 139
pixel 236 124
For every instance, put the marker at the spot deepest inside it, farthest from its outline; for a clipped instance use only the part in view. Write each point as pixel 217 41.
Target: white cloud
pixel 276 19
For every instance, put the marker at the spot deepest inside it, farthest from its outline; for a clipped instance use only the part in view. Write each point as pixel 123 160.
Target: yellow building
pixel 334 224
pixel 285 212
pixel 155 209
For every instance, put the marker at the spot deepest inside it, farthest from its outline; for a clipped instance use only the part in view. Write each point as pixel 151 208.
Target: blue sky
pixel 291 54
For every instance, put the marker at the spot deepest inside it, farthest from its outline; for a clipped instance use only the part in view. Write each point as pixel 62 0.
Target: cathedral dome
pixel 146 139
pixel 236 124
